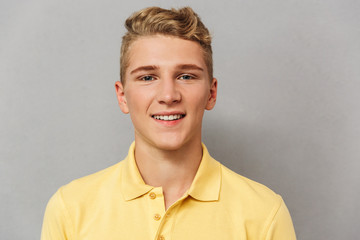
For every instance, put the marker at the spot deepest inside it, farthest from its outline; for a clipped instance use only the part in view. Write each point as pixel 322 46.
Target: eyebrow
pixel 180 66
pixel 144 68
pixel 189 67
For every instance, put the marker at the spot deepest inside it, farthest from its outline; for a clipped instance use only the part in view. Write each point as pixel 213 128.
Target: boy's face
pixel 166 91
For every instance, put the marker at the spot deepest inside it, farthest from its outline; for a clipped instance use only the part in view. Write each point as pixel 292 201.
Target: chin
pixel 169 145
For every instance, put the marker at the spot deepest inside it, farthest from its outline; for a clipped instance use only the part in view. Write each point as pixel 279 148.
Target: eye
pixel 186 77
pixel 147 78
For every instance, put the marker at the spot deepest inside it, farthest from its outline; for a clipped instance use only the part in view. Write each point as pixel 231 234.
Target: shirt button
pixel 161 237
pixel 152 195
pixel 157 217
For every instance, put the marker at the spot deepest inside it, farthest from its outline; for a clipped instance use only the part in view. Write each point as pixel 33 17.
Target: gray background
pixel 287 113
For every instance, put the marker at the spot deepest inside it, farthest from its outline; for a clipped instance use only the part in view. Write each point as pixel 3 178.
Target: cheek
pixel 198 101
pixel 201 97
pixel 134 100
pixel 139 99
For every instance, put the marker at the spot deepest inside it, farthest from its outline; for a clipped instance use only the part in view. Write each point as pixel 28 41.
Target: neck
pixel 173 170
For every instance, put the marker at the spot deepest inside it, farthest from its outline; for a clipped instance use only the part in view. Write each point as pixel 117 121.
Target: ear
pixel 212 95
pixel 120 94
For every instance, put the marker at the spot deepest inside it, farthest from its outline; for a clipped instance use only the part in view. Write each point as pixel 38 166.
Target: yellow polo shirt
pixel 115 203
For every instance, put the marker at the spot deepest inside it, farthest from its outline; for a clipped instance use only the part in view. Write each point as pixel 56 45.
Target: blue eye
pixel 147 78
pixel 186 77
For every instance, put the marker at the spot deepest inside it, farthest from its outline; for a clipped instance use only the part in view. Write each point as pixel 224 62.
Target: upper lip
pixel 165 113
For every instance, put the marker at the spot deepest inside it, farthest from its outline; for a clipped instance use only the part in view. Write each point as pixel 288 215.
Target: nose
pixel 168 92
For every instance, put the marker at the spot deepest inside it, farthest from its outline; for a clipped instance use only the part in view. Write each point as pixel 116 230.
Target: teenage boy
pixel 168 187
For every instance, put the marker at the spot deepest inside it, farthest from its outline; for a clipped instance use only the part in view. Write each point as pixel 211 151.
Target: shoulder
pixel 248 196
pixel 88 187
pixel 239 184
pixel 262 210
pixel 233 179
pixel 77 200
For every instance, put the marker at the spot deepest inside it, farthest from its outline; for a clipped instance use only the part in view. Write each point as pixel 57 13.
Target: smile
pixel 168 117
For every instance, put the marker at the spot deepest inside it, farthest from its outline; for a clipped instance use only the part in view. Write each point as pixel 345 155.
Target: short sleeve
pixel 56 223
pixel 281 227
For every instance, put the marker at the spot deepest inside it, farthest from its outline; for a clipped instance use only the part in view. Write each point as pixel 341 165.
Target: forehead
pixel 164 51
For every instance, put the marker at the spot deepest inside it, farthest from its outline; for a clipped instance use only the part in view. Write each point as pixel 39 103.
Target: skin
pixel 167 76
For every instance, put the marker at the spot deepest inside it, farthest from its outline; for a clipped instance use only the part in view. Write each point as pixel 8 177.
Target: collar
pixel 205 186
pixel 132 184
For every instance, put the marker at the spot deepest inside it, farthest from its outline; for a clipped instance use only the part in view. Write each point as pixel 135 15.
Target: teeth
pixel 168 117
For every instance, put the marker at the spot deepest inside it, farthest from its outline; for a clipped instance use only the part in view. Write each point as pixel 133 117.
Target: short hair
pixel 183 23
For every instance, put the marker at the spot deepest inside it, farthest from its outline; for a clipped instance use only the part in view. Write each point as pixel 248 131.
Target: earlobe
pixel 212 95
pixel 120 94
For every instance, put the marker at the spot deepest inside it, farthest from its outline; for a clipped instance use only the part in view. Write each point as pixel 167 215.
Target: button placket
pixel 155 199
pixel 169 219
pixel 165 220
pixel 157 217
pixel 152 195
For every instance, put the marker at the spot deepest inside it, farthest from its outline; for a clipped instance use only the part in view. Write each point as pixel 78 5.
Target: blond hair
pixel 183 23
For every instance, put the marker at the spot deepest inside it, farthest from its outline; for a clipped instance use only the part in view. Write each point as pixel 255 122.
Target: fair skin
pixel 166 91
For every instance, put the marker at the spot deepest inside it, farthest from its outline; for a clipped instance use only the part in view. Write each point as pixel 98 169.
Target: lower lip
pixel 169 123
